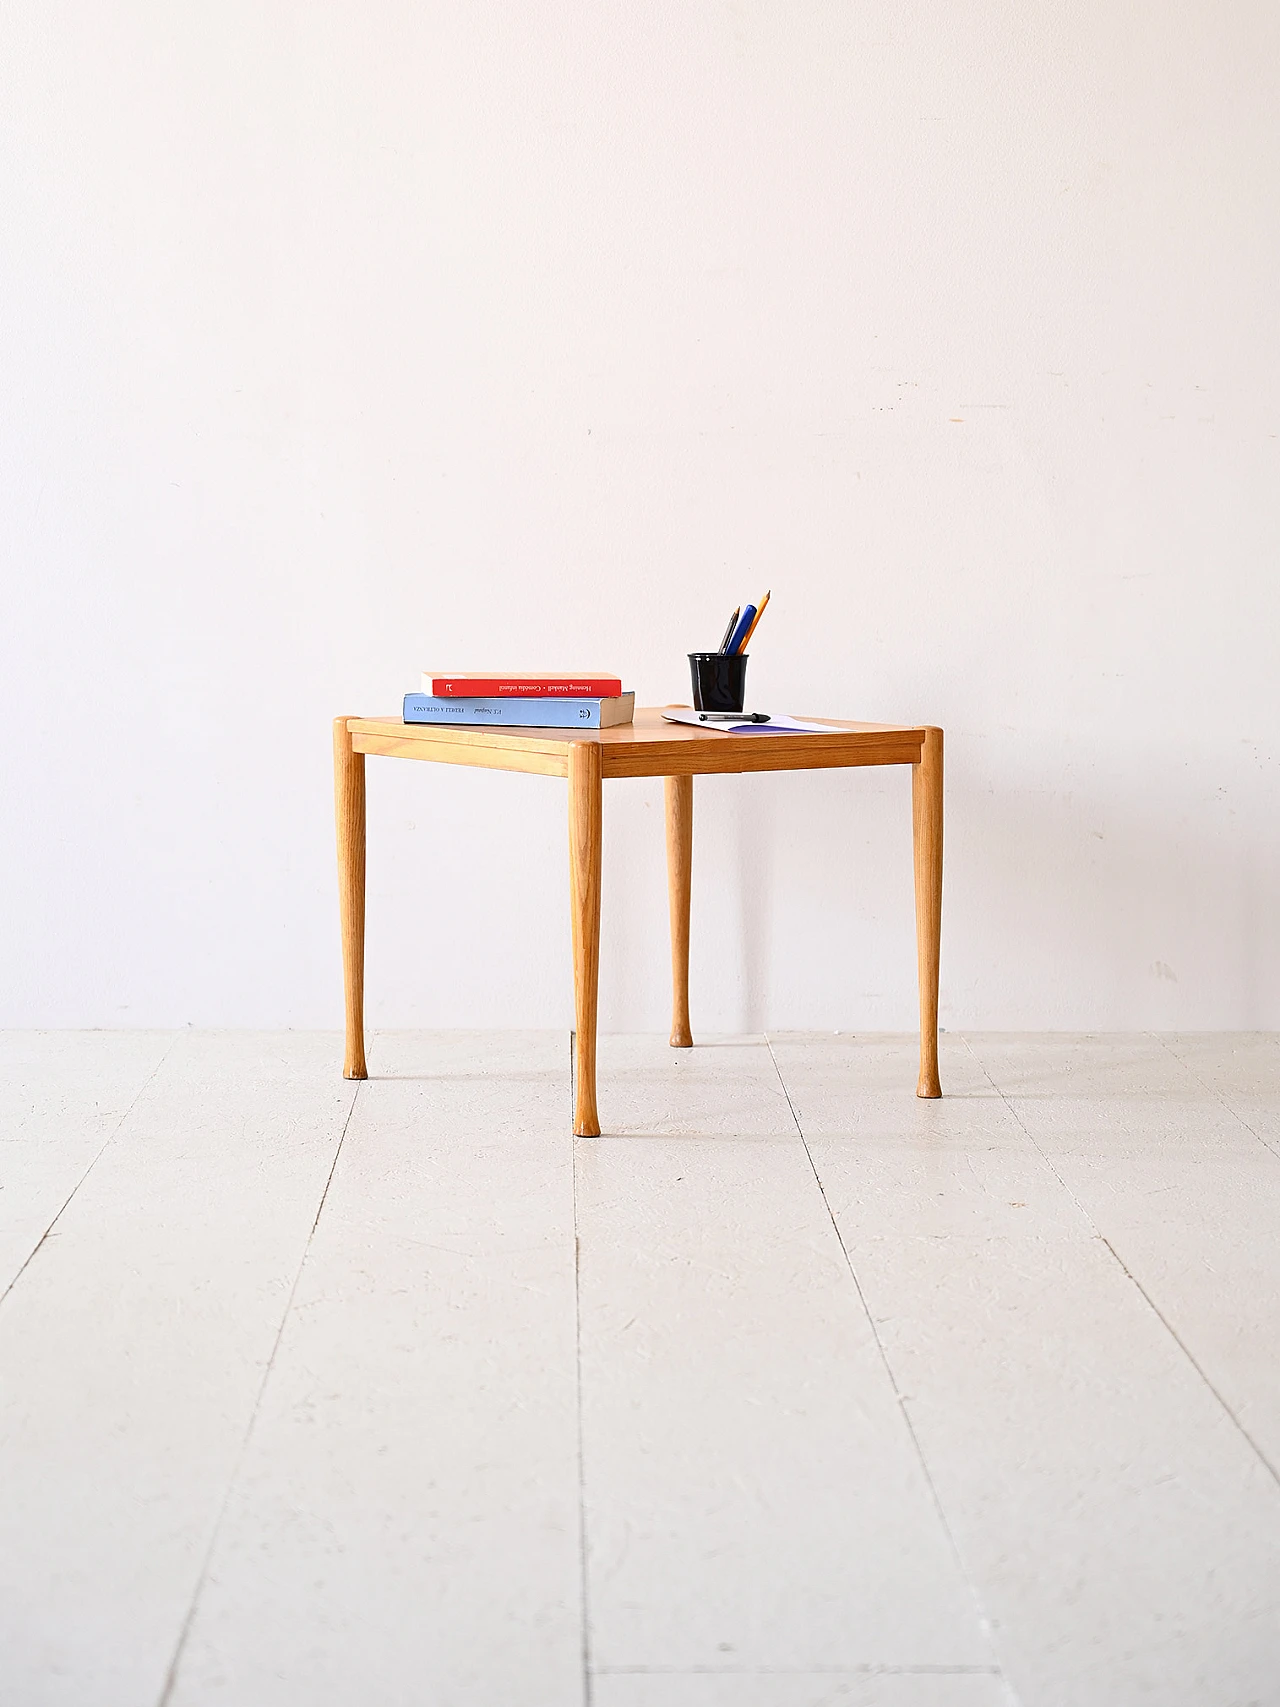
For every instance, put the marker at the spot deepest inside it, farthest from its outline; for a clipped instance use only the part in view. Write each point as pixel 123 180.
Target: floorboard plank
pixel 62 1096
pixel 802 1689
pixel 753 1496
pixel 1242 1070
pixel 1124 1538
pixel 132 1352
pixel 1183 1190
pixel 405 1528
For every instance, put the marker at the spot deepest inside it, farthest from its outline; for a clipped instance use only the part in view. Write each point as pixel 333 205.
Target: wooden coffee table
pixel 647 747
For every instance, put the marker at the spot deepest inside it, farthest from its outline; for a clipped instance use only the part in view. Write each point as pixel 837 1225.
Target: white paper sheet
pixel 777 725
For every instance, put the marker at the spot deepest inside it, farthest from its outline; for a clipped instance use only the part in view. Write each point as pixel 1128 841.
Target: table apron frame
pixel 721 760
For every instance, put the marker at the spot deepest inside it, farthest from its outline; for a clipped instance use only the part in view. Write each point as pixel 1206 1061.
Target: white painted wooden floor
pixel 790 1390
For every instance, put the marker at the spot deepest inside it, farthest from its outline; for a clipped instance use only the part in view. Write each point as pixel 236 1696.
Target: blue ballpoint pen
pixel 740 631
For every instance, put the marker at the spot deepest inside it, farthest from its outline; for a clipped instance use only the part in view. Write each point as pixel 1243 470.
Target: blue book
pixel 520 713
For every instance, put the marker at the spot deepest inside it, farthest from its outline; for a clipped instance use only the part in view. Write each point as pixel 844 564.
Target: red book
pixel 482 684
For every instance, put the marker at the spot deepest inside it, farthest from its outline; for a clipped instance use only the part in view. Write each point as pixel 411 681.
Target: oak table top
pixel 648 747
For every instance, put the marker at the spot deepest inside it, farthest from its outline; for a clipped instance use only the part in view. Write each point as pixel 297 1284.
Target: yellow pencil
pixel 755 619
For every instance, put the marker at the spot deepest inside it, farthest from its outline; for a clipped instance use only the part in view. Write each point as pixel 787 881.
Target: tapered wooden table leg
pixel 586 773
pixel 679 801
pixel 348 796
pixel 926 823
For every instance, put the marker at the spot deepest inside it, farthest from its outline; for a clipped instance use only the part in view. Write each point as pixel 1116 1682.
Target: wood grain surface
pixel 648 747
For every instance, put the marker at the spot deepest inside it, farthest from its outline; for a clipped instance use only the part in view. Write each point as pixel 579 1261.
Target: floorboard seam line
pixel 974 1594
pixel 105 1146
pixel 171 1675
pixel 1217 1096
pixel 1190 1357
pixel 1130 1276
pixel 572 1069
pixel 583 1591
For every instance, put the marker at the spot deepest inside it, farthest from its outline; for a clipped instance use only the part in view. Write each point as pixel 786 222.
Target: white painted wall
pixel 341 339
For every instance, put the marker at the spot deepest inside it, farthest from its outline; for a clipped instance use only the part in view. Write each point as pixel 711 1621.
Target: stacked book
pixel 588 700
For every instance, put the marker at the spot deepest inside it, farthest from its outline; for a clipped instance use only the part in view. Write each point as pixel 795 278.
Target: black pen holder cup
pixel 719 682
